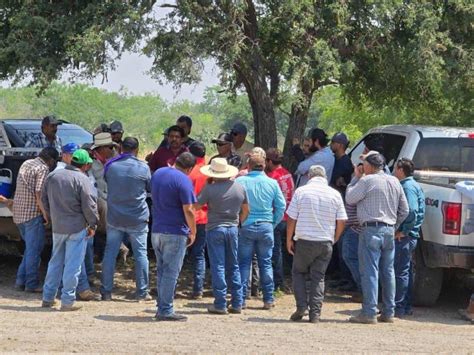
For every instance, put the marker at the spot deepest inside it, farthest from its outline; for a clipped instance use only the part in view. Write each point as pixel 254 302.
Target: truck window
pixel 388 144
pixel 445 154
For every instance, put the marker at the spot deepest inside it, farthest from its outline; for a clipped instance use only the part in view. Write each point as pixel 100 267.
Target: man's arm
pixel 89 204
pixel 402 211
pixel 356 190
pixel 290 232
pixel 191 222
pixel 340 225
pixel 279 205
pixel 40 184
pixel 244 212
pixel 410 221
pixel 304 166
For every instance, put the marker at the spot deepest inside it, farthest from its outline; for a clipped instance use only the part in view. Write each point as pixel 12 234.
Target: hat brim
pixel 215 141
pixel 95 146
pixel 231 172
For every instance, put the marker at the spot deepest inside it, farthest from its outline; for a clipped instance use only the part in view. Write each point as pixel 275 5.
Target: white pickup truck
pixel 442 157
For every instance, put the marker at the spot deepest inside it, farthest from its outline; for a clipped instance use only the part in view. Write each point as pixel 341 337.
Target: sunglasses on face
pixel 221 144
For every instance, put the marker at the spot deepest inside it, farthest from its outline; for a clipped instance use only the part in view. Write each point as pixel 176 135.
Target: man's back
pixel 323 157
pixel 128 180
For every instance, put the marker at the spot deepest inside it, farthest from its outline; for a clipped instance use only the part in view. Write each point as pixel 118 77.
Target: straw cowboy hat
pixel 219 169
pixel 102 139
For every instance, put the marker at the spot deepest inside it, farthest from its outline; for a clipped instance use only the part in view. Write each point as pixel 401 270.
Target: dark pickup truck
pixel 14 134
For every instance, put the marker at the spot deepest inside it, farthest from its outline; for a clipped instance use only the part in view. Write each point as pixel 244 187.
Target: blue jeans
pixel 222 246
pixel 404 274
pixel 257 237
pixel 169 251
pixel 138 239
pixel 350 248
pixel 198 258
pixel 66 260
pixel 89 258
pixel 376 254
pixel 33 234
pixel 279 235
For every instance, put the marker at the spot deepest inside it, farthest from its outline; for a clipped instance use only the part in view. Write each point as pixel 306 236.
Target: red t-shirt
pixel 199 180
pixel 285 181
pixel 164 157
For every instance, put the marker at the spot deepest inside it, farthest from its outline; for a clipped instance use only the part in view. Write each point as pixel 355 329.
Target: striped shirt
pixel 316 207
pixel 352 220
pixel 30 180
pixel 379 198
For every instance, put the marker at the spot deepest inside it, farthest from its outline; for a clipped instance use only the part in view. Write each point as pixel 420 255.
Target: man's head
pixel 104 145
pixel 306 146
pixel 175 137
pixel 49 126
pixel 274 158
pixel 130 145
pixel 256 162
pixel 50 156
pixel 339 143
pixel 67 151
pixel 238 133
pixel 317 171
pixel 197 149
pixel 185 122
pixel 223 144
pixel 373 162
pixel 116 130
pixel 319 139
pixel 404 168
pixel 185 162
pixel 81 159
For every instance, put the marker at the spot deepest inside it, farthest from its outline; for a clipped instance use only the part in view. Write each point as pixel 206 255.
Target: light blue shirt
pixel 323 157
pixel 266 201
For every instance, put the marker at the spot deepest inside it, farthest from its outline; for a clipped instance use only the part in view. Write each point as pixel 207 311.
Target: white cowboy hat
pixel 219 168
pixel 102 139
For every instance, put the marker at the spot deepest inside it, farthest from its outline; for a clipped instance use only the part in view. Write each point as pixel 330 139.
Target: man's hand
pixel 358 171
pixel 46 219
pixel 290 245
pixel 90 233
pixel 191 239
pixel 399 235
pixel 3 199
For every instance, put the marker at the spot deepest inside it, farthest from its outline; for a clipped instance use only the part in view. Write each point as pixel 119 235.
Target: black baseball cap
pixel 239 128
pixel 116 127
pixel 50 120
pixel 223 138
pixel 197 149
pixel 130 143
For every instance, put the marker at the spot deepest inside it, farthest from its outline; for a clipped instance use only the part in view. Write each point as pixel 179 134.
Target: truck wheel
pixel 427 282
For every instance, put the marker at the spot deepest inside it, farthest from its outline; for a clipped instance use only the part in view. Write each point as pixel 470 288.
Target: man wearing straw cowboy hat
pixel 227 207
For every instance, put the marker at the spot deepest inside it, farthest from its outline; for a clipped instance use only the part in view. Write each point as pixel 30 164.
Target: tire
pixel 427 282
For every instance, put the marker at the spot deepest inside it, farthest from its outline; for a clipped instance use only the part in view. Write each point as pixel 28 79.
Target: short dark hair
pixel 129 144
pixel 185 161
pixel 176 128
pixel 320 135
pixel 49 153
pixel 406 165
pixel 76 164
pixel 185 119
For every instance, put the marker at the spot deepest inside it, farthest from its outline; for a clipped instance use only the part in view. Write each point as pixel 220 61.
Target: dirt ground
pixel 126 326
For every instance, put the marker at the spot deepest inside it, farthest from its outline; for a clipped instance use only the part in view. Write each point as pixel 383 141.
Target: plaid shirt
pixel 39 140
pixel 30 180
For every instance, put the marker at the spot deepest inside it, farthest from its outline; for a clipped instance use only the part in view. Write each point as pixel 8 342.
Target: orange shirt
pixel 199 180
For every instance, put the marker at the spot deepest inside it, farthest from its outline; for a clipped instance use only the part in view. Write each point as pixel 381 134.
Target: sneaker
pixel 197 296
pixel 87 295
pixel 145 298
pixel 234 310
pixel 48 304
pixel 106 297
pixel 362 319
pixel 244 306
pixel 268 305
pixel 171 318
pixel 385 319
pixel 34 290
pixel 213 310
pixel 297 315
pixel 19 287
pixel 70 307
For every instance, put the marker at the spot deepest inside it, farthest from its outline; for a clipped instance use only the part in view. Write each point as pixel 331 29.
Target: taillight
pixel 471 135
pixel 451 218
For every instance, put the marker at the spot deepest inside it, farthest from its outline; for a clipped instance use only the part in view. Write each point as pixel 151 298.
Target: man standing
pixel 128 181
pixel 30 215
pixel 165 156
pixel 116 131
pixel 174 228
pixel 407 236
pixel 316 219
pixel 267 206
pixel 381 207
pixel 276 171
pixel 321 155
pixel 224 150
pixel 66 155
pixel 186 123
pixel 241 145
pixel 48 136
pixel 343 168
pixel 69 199
pixel 227 204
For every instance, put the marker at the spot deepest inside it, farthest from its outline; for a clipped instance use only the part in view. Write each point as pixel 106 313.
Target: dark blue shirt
pixel 343 168
pixel 170 190
pixel 128 181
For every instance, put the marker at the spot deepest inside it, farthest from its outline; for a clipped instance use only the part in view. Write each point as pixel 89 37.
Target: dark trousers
pixel 310 262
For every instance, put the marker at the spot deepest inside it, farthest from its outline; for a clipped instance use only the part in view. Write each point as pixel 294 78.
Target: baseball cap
pixel 197 149
pixel 340 138
pixel 116 127
pixel 130 143
pixel 82 157
pixel 274 154
pixel 223 138
pixel 70 148
pixel 50 120
pixel 373 158
pixel 239 128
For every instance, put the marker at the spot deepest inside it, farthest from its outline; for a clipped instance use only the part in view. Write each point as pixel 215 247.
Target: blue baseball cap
pixel 70 148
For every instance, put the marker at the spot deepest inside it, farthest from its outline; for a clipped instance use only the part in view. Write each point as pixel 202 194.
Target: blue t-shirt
pixel 170 190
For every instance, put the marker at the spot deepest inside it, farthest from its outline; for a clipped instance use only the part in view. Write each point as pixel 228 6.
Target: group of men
pixel 240 206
